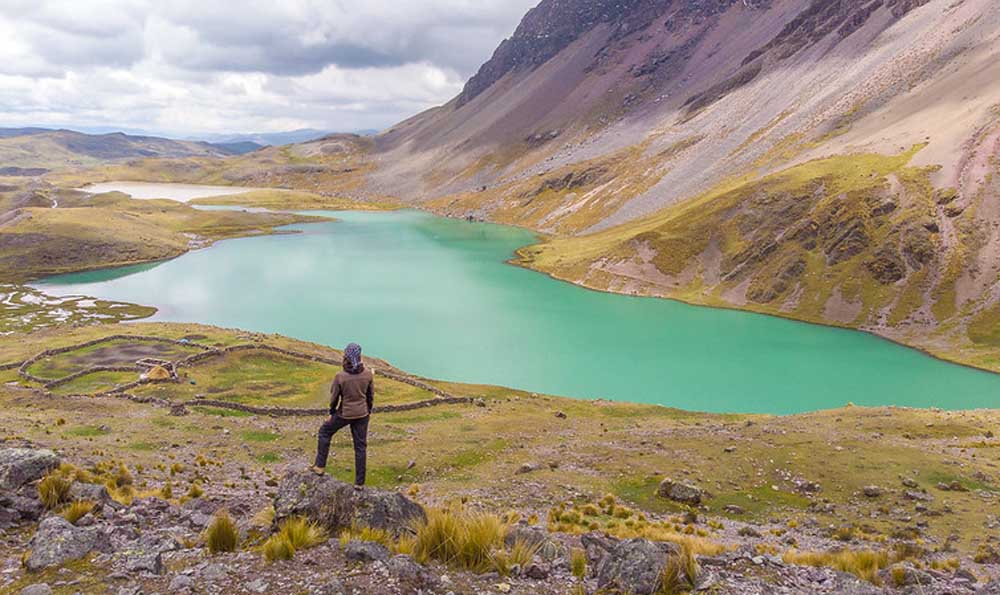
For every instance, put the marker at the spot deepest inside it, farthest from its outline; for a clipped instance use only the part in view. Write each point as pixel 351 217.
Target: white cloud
pixel 189 66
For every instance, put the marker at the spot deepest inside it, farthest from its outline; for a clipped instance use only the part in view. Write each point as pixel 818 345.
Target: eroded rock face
pixel 57 541
pixel 337 505
pixel 634 566
pixel 20 466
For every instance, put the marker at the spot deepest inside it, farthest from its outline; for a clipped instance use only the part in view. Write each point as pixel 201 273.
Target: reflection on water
pixel 178 192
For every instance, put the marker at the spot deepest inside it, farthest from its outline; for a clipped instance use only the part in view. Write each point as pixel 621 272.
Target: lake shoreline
pixel 781 385
pixel 872 333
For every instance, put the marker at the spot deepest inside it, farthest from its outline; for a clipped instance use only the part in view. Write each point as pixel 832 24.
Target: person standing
pixel 352 397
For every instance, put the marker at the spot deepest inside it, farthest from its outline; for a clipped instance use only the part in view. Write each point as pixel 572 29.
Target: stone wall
pixel 443 398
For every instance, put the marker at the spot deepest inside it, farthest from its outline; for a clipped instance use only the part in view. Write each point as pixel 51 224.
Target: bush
pixel 122 495
pixel 264 517
pixel 295 534
pixel 277 547
pixel 77 510
pixel 53 490
pixel 863 564
pixel 222 535
pixel 122 477
pixel 578 563
pixel 368 534
pixel 195 491
pixel 459 539
pixel 302 533
pixel 521 553
pixel 680 574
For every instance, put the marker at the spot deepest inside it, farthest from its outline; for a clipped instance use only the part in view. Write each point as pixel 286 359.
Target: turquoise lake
pixel 435 297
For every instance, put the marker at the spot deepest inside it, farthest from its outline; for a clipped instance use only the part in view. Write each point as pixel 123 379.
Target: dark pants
pixel 359 432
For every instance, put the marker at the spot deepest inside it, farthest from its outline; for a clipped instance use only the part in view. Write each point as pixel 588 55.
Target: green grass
pixel 266 379
pixel 933 478
pixel 86 431
pixel 96 383
pixel 761 501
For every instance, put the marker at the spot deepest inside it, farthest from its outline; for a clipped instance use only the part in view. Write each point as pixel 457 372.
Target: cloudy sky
pixel 189 67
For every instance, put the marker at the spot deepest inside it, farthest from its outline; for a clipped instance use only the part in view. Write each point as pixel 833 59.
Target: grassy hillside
pixel 37 151
pixel 863 241
pixel 113 230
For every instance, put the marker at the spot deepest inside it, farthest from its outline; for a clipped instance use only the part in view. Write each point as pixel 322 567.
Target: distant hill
pixel 33 151
pixel 302 135
pixel 239 147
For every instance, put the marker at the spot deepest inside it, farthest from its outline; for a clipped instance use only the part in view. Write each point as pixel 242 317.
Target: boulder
pixel 918 496
pixel 366 551
pixel 144 562
pixel 528 468
pixel 536 571
pixel 405 568
pixel 39 589
pixel 91 492
pixel 20 466
pixel 680 492
pixel 17 509
pixel 58 541
pixel 337 505
pixel 635 566
pixel 597 546
pixel 411 575
pixel 872 491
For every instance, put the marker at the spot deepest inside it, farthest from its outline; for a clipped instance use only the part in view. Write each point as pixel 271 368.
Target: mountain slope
pixel 831 161
pixel 32 151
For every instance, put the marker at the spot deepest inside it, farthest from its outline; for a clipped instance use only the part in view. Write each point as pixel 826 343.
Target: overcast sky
pixel 185 67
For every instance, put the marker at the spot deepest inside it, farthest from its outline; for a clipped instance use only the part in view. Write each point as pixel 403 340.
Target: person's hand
pixel 329 419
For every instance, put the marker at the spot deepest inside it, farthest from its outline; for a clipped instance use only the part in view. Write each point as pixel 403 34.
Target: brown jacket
pixel 352 396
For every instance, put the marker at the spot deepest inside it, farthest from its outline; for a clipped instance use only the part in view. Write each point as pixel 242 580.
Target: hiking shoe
pixel 318 470
pixel 358 488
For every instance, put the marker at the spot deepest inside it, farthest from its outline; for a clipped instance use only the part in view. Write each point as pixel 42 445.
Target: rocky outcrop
pixel 20 466
pixel 57 541
pixel 634 566
pixel 337 505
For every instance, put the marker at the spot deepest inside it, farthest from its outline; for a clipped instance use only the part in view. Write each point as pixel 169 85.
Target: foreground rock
pixel 57 541
pixel 634 566
pixel 21 466
pixel 337 505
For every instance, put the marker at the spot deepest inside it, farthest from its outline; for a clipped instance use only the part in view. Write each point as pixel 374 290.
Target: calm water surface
pixel 179 192
pixel 434 297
